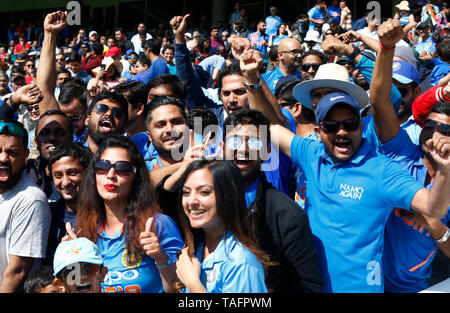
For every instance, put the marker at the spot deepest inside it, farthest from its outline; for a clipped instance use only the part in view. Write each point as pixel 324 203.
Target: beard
pixel 96 135
pixel 12 180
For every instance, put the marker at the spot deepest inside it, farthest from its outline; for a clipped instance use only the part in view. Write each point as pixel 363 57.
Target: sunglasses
pixel 253 143
pixel 76 118
pixel 293 52
pixel 101 108
pixel 332 127
pixel 133 57
pixel 86 268
pixel 307 66
pixel 403 91
pixel 122 168
pixel 11 129
pixel 33 107
pixel 444 129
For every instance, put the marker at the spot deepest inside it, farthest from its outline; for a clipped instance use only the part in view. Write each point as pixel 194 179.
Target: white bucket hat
pixel 330 75
pixel 312 35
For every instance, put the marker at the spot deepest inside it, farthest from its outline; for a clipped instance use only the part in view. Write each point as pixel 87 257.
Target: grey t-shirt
pixel 24 222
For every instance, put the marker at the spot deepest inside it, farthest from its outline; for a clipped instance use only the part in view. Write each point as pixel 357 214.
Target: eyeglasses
pixel 307 66
pixel 101 108
pixel 30 65
pixel 294 52
pixel 133 57
pixel 76 118
pixel 33 107
pixel 253 143
pixel 86 268
pixel 122 168
pixel 444 129
pixel 7 128
pixel 332 127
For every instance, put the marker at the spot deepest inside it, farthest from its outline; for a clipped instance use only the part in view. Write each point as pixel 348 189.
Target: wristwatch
pixel 445 237
pixel 354 54
pixel 253 86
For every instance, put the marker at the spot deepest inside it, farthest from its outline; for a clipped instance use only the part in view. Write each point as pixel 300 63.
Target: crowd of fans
pixel 258 156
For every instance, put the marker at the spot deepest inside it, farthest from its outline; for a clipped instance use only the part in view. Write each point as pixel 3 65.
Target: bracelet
pixel 253 86
pixel 354 54
pixel 383 48
pixel 12 103
pixel 445 237
pixel 163 266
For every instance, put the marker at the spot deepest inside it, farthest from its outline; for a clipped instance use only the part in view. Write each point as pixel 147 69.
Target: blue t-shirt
pixel 429 46
pixel 409 248
pixel 440 70
pixel 256 41
pixel 158 67
pixel 271 78
pixel 142 276
pixel 349 204
pixel 272 24
pixel 335 11
pixel 142 142
pixel 231 268
pixel 317 14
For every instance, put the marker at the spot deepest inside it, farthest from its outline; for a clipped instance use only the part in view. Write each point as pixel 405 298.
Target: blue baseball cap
pixel 405 73
pixel 330 100
pixel 80 250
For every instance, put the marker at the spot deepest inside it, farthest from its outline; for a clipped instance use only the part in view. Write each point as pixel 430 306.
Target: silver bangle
pixel 445 237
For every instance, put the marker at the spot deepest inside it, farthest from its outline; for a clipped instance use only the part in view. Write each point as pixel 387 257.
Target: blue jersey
pixel 317 14
pixel 335 11
pixel 141 276
pixel 142 142
pixel 349 204
pixel 272 24
pixel 409 248
pixel 259 42
pixel 271 78
pixel 231 268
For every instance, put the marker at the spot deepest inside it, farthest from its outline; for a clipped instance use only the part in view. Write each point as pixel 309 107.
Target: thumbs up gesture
pixel 150 242
pixel 70 233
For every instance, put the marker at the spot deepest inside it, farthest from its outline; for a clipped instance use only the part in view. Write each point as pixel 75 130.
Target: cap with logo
pixel 80 250
pixel 330 100
pixel 405 73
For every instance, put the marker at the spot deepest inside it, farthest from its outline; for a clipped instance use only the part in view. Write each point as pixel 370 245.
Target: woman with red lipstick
pixel 117 209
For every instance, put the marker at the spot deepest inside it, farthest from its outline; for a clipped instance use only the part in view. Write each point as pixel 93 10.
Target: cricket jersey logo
pixel 351 192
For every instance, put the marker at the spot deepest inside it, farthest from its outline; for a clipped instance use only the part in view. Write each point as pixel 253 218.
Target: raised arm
pixel 46 73
pixel 386 122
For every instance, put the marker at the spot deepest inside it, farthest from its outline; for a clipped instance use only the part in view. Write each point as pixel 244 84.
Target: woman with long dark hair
pixel 221 253
pixel 202 49
pixel 118 211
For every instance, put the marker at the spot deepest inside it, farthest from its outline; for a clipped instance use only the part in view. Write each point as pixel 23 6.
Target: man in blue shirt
pixel 260 39
pixel 317 14
pixel 289 59
pixel 427 46
pixel 159 66
pixel 272 22
pixel 344 172
pixel 411 241
pixel 335 11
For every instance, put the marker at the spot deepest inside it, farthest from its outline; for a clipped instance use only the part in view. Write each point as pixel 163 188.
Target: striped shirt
pixel 346 19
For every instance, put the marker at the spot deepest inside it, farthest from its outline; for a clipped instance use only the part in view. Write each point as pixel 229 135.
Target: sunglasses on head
pixel 444 129
pixel 307 66
pixel 332 127
pixel 122 168
pixel 101 108
pixel 7 128
pixel 253 143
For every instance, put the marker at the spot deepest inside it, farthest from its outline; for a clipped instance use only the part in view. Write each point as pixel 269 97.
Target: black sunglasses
pixel 31 107
pixel 307 66
pixel 444 129
pixel 332 127
pixel 403 91
pixel 101 108
pixel 122 168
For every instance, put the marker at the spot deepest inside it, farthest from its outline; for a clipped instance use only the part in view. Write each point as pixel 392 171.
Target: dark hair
pixel 177 86
pixel 272 55
pixel 134 92
pixel 168 47
pixel 97 48
pixel 441 108
pixel 232 69
pixel 286 94
pixel 56 112
pixel 74 57
pixel 323 58
pixel 40 278
pixel 246 116
pixel 160 101
pixel 443 49
pixel 200 46
pixel 75 150
pixel 154 45
pixel 230 203
pixel 120 29
pixel 207 118
pixel 115 97
pixel 71 89
pixel 62 70
pixel 144 61
pixel 140 205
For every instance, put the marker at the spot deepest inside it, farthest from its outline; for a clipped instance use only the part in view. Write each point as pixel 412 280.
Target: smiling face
pixel 111 187
pixel 199 200
pixel 105 123
pixel 83 278
pixel 67 174
pixel 52 130
pixel 343 144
